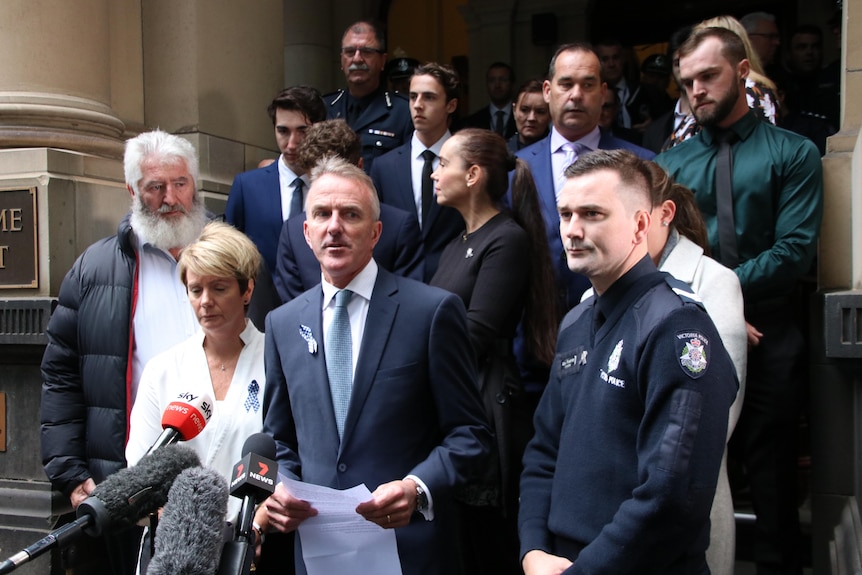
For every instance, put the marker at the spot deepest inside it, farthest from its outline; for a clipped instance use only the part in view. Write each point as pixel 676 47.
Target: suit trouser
pixel 766 438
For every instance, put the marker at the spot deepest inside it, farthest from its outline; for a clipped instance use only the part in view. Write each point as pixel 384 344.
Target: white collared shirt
pixel 418 162
pixel 558 154
pixel 163 315
pixel 286 177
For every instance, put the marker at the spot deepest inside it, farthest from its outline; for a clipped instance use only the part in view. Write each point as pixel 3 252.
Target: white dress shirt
pixel 163 316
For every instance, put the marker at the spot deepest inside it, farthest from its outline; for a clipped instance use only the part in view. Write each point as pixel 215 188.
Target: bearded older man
pixel 121 304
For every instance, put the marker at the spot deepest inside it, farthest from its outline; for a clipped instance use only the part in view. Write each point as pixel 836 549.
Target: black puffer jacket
pixel 85 381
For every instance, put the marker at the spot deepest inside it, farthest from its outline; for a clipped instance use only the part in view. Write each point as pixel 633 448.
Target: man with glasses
pixel 763 33
pixel 381 118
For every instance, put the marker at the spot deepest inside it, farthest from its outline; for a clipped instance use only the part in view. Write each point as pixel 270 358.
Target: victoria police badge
pixel 693 353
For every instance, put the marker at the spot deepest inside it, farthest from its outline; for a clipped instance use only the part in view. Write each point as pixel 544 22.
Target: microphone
pixel 184 418
pixel 118 502
pixel 253 481
pixel 134 492
pixel 190 533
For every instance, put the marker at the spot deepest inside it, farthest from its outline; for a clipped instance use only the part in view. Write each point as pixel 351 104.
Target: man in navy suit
pixel 399 249
pixel 260 200
pixel 575 93
pixel 397 409
pixel 380 118
pixel 403 176
pixel 497 116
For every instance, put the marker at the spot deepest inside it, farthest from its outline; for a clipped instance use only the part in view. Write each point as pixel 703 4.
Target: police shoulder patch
pixel 693 352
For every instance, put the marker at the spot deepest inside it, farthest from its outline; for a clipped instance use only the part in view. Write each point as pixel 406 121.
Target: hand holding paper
pixel 285 512
pixel 392 505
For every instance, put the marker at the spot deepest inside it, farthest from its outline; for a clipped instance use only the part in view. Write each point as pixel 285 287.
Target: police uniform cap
pixel 401 67
pixel 657 64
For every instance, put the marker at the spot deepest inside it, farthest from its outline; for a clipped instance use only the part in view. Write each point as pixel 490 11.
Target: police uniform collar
pixel 615 295
pixel 340 95
pixel 366 100
pixel 743 128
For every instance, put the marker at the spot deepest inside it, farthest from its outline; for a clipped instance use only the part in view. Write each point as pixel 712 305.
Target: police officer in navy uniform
pixel 620 475
pixel 381 118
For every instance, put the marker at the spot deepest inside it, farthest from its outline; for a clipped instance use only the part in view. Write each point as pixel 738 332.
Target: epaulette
pixel 338 95
pixel 683 290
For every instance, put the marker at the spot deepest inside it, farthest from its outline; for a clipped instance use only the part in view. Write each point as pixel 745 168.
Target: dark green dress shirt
pixel 777 201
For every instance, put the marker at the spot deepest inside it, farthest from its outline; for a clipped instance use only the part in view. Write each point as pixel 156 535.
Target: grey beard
pixel 164 234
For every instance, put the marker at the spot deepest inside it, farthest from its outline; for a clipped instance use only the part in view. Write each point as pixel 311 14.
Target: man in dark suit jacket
pixel 398 175
pixel 575 94
pixel 380 118
pixel 399 249
pixel 406 419
pixel 496 116
pixel 640 102
pixel 260 200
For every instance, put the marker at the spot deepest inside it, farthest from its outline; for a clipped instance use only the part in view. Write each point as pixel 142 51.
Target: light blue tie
pixel 339 359
pixel 296 197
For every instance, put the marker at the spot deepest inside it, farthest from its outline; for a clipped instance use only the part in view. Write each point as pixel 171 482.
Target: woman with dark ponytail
pixel 500 267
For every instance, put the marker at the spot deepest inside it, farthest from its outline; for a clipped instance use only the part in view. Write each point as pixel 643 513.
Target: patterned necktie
pixel 499 126
pixel 252 401
pixel 339 359
pixel 296 197
pixel 573 152
pixel 427 185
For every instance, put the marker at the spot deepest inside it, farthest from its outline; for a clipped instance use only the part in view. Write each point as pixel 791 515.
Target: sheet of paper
pixel 338 539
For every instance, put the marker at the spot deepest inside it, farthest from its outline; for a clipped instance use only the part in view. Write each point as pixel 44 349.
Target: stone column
pixel 211 69
pixel 55 77
pixel 836 353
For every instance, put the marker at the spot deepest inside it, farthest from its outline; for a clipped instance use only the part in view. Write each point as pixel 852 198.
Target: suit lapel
pixel 378 326
pixel 270 195
pixel 545 175
pixel 311 316
pixel 403 177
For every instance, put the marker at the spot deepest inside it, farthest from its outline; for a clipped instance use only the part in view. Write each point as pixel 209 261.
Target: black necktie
pixel 724 199
pixel 427 185
pixel 353 112
pixel 499 125
pixel 598 318
pixel 296 197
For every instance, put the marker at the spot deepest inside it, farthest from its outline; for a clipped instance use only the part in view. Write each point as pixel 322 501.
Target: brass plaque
pixel 2 421
pixel 19 255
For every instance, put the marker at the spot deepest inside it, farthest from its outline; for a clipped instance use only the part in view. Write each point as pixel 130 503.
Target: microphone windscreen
pixel 260 444
pixel 189 537
pixel 137 491
pixel 188 414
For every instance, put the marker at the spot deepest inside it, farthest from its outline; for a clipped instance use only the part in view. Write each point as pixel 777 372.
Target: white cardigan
pixel 184 368
pixel 721 293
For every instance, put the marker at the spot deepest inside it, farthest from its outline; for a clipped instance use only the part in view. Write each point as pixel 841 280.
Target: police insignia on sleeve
pixel 693 353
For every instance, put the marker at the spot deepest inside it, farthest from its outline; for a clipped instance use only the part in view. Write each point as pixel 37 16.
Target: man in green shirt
pixel 769 239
